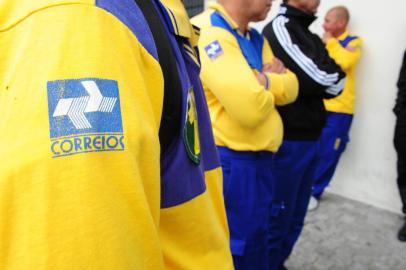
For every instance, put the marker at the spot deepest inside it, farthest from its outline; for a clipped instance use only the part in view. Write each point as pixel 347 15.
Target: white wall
pixel 367 171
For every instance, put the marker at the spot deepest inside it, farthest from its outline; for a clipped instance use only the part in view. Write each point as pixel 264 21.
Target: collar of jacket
pixel 305 19
pixel 343 35
pixel 220 9
pixel 179 19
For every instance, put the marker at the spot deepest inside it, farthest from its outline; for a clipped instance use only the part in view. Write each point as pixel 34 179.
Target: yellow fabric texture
pixel 179 18
pixel 347 59
pixel 243 112
pixel 195 234
pixel 87 211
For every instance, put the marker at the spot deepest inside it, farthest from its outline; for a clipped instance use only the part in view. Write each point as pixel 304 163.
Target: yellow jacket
pixel 81 93
pixel 347 58
pixel 242 110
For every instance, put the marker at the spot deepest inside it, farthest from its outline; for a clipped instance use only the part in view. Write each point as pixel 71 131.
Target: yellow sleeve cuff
pixel 284 87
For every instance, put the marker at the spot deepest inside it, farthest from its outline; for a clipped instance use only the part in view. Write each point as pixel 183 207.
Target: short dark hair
pixel 285 1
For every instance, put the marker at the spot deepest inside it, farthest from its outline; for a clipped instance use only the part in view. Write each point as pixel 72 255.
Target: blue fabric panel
pixel 210 158
pixel 181 179
pixel 293 167
pixel 347 40
pixel 129 14
pixel 251 48
pixel 237 247
pixel 337 127
pixel 247 196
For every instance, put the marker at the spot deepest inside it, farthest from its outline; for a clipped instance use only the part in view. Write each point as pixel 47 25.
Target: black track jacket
pixel 319 76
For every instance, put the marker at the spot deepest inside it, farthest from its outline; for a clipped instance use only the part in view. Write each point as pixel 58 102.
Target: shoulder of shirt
pixel 119 11
pixel 203 20
pixel 12 12
pixel 210 33
pixel 357 41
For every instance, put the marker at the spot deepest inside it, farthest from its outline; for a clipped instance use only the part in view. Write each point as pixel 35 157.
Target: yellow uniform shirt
pixel 346 51
pixel 242 110
pixel 81 97
pixel 81 94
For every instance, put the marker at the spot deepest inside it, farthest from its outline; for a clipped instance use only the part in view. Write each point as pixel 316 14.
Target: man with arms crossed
pixel 243 83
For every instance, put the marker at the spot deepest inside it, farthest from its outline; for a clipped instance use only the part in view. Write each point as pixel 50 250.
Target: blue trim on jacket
pixel 251 48
pixel 347 40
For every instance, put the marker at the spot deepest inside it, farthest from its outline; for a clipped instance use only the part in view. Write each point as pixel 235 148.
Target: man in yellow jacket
pixel 346 51
pixel 108 160
pixel 243 83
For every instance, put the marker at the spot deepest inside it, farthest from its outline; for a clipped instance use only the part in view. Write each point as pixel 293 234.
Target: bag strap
pixel 172 103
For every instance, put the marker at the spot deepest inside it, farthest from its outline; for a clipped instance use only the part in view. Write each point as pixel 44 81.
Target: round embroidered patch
pixel 191 129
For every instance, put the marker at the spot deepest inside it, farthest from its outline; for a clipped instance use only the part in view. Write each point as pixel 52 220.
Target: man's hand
pixel 275 67
pixel 351 48
pixel 326 37
pixel 262 79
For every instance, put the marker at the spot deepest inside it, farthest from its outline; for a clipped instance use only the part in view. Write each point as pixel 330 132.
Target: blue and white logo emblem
pixel 84 116
pixel 213 50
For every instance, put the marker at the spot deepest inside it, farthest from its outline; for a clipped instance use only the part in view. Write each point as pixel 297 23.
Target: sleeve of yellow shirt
pixel 80 187
pixel 231 80
pixel 283 86
pixel 347 57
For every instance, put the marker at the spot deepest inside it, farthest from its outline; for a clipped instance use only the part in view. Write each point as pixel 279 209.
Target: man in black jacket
pixel 400 141
pixel 320 78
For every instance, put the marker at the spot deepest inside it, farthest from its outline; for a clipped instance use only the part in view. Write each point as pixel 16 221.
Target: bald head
pixel 341 13
pixel 336 20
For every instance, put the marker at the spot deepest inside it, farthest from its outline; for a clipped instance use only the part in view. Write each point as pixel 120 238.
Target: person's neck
pixel 293 4
pixel 299 7
pixel 339 33
pixel 237 14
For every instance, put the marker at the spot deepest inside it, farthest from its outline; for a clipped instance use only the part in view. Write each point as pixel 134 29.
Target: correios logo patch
pixel 214 50
pixel 84 116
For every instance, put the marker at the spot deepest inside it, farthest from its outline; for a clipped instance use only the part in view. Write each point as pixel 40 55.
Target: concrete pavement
pixel 343 234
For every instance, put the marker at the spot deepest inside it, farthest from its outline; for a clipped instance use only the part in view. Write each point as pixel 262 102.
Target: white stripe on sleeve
pixel 304 62
pixel 336 88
